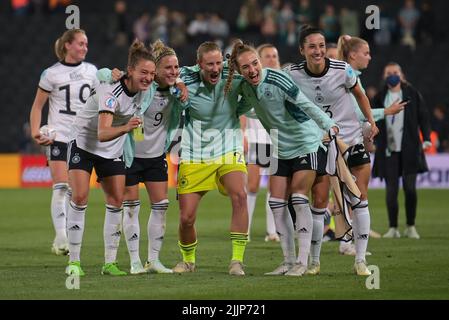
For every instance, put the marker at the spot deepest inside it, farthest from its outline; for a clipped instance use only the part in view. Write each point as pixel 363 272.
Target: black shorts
pixel 150 169
pixel 357 155
pixel 313 161
pixel 83 160
pixel 260 154
pixel 57 151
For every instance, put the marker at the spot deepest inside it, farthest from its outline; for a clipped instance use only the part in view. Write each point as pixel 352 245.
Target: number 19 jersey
pixel 330 91
pixel 69 86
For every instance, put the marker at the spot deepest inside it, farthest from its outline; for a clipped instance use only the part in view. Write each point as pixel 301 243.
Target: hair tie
pixel 347 37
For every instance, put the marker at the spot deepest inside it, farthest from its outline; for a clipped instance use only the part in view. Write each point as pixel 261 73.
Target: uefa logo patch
pixel 110 103
pixel 76 158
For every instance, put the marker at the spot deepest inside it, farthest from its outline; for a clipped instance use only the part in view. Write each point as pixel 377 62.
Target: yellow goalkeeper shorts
pixel 205 176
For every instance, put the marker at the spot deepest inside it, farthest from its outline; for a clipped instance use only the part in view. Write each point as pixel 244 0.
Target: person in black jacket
pixel 399 152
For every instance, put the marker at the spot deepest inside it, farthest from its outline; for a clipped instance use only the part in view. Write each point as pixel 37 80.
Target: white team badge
pixel 55 151
pixel 76 158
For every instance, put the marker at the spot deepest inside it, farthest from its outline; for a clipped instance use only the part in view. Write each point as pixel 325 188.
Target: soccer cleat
pixel 281 270
pixel 74 268
pixel 375 235
pixel 392 233
pixel 183 267
pixel 314 269
pixel 410 232
pixel 297 270
pixel 348 249
pixel 137 268
pixel 156 266
pixel 60 250
pixel 272 237
pixel 361 269
pixel 112 269
pixel 236 268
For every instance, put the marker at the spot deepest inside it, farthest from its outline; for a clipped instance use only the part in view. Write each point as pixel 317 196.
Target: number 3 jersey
pixel 69 86
pixel 330 91
pixel 110 98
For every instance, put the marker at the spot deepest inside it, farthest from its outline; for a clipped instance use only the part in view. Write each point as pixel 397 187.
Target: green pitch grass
pixel 409 269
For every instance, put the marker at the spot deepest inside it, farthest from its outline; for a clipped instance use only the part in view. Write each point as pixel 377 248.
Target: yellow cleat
pixel 314 269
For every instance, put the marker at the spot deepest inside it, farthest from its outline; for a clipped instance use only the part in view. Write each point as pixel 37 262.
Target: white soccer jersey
pixel 156 120
pixel 113 98
pixel 255 132
pixel 69 86
pixel 330 91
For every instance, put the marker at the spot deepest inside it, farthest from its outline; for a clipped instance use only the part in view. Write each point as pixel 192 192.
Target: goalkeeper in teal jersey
pixel 211 155
pixel 295 126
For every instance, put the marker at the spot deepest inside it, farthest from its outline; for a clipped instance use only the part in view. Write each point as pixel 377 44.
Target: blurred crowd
pixel 273 21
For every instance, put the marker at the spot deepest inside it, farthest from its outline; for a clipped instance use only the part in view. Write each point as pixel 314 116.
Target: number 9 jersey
pixel 69 86
pixel 330 90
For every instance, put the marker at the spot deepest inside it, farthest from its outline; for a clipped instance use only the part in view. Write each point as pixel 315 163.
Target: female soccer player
pixel 328 83
pixel 211 157
pixel 111 111
pixel 280 105
pixel 150 165
pixel 67 86
pixel 259 150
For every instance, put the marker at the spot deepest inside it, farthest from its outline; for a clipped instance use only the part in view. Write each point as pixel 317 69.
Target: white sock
pixel 111 232
pixel 75 229
pixel 284 228
pixel 131 228
pixel 271 227
pixel 251 201
pixel 156 228
pixel 58 212
pixel 304 226
pixel 317 233
pixel 67 199
pixel 361 226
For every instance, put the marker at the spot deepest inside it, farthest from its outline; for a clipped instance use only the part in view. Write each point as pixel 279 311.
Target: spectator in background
pixel 383 36
pixel 58 5
pixel 178 29
pixel 399 152
pixel 142 28
pixel 349 22
pixel 304 13
pixel 118 25
pixel 254 15
pixel 329 24
pixel 426 24
pixel 268 29
pixel 440 124
pixel 20 7
pixel 197 28
pixel 408 19
pixel 272 9
pixel 217 27
pixel 159 25
pixel 285 17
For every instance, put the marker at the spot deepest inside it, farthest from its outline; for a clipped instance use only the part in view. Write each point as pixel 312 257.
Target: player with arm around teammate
pixel 99 137
pixel 279 104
